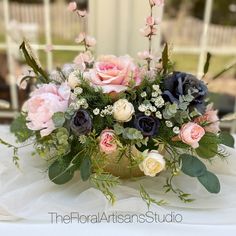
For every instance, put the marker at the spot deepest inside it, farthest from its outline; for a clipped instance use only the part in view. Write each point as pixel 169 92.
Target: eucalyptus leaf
pixel 118 129
pixel 227 139
pixel 192 166
pixel 210 182
pixel 207 151
pixel 85 169
pixel 208 146
pixel 58 119
pixel 59 173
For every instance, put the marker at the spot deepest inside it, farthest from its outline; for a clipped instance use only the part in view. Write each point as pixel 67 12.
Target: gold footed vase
pixel 122 168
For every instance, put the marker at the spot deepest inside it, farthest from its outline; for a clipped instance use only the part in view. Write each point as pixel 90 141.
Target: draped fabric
pixel 28 194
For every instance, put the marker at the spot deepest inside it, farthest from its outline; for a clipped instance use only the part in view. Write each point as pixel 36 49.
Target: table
pixel 27 197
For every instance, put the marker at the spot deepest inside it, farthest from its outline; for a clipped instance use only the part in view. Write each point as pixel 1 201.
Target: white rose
pixel 153 163
pixel 123 110
pixel 73 79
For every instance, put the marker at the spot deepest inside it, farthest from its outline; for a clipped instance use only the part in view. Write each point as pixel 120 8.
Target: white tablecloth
pixel 27 196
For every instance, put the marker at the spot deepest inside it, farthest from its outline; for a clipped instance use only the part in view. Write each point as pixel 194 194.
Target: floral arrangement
pixel 111 118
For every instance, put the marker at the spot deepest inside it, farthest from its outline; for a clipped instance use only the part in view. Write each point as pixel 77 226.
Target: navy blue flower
pixel 148 125
pixel 81 123
pixel 178 84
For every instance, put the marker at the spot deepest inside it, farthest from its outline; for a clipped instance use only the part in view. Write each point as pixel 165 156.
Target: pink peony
pixel 210 120
pixel 114 74
pixel 72 6
pixel 43 103
pixel 191 133
pixel 107 141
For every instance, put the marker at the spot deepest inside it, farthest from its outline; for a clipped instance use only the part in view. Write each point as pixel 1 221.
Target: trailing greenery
pixel 20 130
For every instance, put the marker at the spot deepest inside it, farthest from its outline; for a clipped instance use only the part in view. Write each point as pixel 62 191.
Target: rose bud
pixel 81 123
pixel 148 125
pixel 107 142
pixel 211 119
pixel 123 110
pixel 153 163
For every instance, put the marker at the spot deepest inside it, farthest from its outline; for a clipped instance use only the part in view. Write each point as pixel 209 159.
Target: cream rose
pixel 153 163
pixel 123 110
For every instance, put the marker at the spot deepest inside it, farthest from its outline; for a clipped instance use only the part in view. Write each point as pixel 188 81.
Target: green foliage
pixel 95 97
pixel 148 199
pixel 170 110
pixel 184 197
pixel 165 59
pixel 192 166
pixel 15 157
pixel 104 182
pixel 224 70
pixel 207 63
pixel 60 173
pixel 31 60
pixel 58 119
pixel 208 146
pixel 227 139
pixel 130 135
pixel 101 123
pixel 55 145
pixel 20 130
pixel 85 168
pixel 210 182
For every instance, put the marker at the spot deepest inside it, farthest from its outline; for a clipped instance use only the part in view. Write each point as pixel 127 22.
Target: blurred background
pixel 192 28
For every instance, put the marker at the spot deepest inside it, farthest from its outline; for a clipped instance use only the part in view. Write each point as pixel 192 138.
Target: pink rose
pixel 43 103
pixel 210 120
pixel 191 133
pixel 107 141
pixel 114 74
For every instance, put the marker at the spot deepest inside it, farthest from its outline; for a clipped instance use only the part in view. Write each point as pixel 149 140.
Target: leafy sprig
pixel 105 182
pixel 148 199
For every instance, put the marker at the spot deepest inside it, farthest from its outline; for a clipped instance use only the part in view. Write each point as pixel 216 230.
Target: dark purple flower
pixel 178 84
pixel 148 125
pixel 81 123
